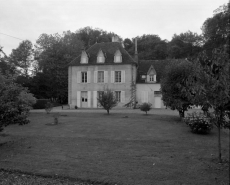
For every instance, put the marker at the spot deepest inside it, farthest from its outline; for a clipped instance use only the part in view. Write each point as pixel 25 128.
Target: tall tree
pixel 185 45
pixel 22 57
pixel 216 29
pixel 53 53
pixel 211 84
pixel 176 94
pixel 91 36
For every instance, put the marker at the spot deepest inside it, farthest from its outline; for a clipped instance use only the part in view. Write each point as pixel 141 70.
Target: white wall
pixel 148 90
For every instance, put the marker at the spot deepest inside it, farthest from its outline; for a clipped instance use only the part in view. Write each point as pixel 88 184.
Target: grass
pixel 115 149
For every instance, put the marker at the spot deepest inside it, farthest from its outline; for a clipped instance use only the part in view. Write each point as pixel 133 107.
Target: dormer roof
pixel 109 49
pixel 158 65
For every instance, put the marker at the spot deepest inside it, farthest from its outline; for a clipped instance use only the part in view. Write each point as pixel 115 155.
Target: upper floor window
pixel 100 57
pixel 84 77
pixel 84 57
pixel 100 77
pixel 117 76
pixel 118 57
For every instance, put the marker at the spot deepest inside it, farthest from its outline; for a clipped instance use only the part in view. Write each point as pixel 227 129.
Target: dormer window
pixel 151 75
pixel 118 57
pixel 100 57
pixel 84 57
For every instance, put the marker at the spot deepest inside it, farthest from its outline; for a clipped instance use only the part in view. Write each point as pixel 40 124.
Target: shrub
pixel 199 123
pixel 41 103
pixel 49 107
pixel 107 100
pixel 145 107
pixel 76 107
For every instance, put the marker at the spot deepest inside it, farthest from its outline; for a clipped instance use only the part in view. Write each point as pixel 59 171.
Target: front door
pixel 84 99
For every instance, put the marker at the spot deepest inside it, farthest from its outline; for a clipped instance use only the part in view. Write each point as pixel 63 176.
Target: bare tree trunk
pixel 108 111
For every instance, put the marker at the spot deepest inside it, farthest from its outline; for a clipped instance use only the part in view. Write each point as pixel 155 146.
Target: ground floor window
pixel 118 95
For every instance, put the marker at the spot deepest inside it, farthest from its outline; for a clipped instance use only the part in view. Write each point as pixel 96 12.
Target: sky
pixel 28 19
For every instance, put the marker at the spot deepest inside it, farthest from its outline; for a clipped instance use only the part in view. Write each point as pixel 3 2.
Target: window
pixel 151 78
pixel 83 60
pixel 84 77
pixel 118 95
pixel 100 59
pixel 143 76
pixel 117 57
pixel 117 76
pixel 100 77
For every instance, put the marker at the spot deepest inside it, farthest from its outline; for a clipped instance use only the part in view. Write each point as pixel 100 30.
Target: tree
pixel 53 53
pixel 185 45
pixel 176 94
pixel 22 57
pixel 145 107
pixel 216 29
pixel 150 47
pixel 107 100
pixel 212 85
pixel 15 102
pixel 91 36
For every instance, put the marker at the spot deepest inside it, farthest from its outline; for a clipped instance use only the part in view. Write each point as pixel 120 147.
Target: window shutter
pixel 122 96
pixel 123 76
pixel 78 76
pixel 112 76
pixel 88 76
pixel 155 78
pixel 89 98
pixel 95 76
pixel 78 98
pixel 105 76
pixel 95 99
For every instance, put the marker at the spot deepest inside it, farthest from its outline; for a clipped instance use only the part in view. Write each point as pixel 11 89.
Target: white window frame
pixel 117 79
pixel 118 95
pixel 84 77
pixel 100 77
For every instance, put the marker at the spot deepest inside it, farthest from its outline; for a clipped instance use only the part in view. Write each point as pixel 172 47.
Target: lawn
pixel 115 149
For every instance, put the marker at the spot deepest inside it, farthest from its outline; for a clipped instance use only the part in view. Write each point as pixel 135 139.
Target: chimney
pixel 136 53
pixel 115 38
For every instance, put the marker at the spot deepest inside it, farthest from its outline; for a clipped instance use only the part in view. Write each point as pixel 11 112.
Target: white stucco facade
pixel 150 93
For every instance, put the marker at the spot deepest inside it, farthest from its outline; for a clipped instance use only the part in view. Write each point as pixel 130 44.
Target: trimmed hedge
pixel 41 103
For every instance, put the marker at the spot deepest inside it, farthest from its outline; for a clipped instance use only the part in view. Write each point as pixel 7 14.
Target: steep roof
pixel 109 49
pixel 159 66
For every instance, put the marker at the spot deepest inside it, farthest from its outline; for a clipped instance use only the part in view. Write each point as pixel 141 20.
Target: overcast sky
pixel 28 19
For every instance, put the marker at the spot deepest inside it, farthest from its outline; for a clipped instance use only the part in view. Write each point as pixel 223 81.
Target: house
pixel 109 65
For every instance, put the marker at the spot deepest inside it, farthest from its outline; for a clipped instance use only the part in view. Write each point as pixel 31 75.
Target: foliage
pixel 145 107
pixel 53 53
pixel 91 36
pixel 211 85
pixel 150 47
pixel 176 93
pixel 198 122
pixel 107 100
pixel 216 29
pixel 22 57
pixel 41 103
pixel 15 102
pixel 48 107
pixel 185 45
